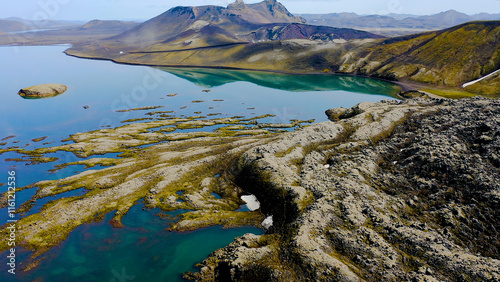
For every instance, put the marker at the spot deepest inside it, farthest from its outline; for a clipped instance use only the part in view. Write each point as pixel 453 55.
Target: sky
pixel 146 9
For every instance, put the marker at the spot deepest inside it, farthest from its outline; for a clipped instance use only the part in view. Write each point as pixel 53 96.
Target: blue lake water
pixel 143 248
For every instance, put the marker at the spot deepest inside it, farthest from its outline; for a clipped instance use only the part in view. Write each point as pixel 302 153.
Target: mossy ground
pixel 453 93
pixel 187 162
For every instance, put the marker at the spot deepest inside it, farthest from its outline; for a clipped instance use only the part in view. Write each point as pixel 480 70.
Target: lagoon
pixel 98 92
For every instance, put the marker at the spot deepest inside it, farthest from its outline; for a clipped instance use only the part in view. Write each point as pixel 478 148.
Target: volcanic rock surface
pixel 390 191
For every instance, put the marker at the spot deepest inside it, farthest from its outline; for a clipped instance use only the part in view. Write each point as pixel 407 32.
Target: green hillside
pixel 450 57
pixel 490 85
pixel 447 58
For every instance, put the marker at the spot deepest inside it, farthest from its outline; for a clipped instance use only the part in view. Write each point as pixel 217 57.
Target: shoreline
pixel 205 183
pixel 403 85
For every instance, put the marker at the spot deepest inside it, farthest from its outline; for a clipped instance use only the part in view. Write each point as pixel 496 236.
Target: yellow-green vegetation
pixel 33 160
pixel 8 137
pixel 159 112
pixel 490 85
pixel 453 93
pixel 199 219
pixel 306 200
pixel 449 57
pixel 135 119
pixel 39 139
pixel 140 109
pixel 89 163
pixel 189 162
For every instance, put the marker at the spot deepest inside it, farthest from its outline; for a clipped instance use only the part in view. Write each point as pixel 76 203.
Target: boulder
pixel 43 90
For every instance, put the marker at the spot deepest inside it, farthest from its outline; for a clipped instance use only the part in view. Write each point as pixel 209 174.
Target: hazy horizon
pixel 134 10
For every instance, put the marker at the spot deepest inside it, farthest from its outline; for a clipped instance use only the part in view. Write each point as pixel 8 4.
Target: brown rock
pixel 43 90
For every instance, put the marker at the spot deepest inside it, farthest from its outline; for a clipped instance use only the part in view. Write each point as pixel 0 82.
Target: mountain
pixel 18 24
pixel 109 27
pixel 305 31
pixel 10 26
pixel 200 34
pixel 184 28
pixel 486 17
pixel 394 24
pixel 237 17
pixel 269 11
pixel 443 19
pixel 350 20
pixel 448 57
pixel 93 30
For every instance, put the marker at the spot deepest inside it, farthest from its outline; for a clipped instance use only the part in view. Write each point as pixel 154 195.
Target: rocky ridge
pixel 389 191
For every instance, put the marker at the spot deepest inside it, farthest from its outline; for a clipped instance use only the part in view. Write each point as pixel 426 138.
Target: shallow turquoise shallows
pixel 97 90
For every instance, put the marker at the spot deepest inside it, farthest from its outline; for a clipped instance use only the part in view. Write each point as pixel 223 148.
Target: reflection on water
pixel 143 247
pixel 216 77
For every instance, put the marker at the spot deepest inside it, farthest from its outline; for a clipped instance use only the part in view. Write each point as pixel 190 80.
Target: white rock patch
pixel 251 201
pixel 268 222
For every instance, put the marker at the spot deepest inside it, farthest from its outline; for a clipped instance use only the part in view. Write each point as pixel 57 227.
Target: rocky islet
pixel 43 90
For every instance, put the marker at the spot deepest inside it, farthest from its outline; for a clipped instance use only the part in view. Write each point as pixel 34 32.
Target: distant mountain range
pixel 448 57
pixel 64 34
pixel 266 36
pixel 14 24
pixel 395 24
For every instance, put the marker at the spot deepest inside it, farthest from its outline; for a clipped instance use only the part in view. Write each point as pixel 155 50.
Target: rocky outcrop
pixel 43 90
pixel 390 191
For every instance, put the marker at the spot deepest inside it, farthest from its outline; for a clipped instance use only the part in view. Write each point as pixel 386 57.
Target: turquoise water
pixel 142 249
pixel 106 87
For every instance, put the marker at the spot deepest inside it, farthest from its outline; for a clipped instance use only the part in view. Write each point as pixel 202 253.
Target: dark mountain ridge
pixel 236 23
pixel 236 18
pixel 306 31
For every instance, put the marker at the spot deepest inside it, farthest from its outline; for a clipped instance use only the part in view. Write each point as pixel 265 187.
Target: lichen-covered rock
pixel 400 191
pixel 43 90
pixel 335 113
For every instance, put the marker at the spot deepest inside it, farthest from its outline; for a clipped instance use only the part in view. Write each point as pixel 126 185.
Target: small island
pixel 43 91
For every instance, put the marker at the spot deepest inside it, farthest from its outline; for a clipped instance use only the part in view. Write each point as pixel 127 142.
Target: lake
pixel 97 91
